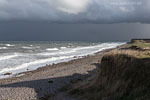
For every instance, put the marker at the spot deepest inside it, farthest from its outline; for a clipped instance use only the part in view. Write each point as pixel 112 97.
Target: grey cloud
pixel 76 11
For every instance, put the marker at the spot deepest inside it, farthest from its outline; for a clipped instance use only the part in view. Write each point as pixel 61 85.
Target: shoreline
pixel 51 66
pixel 48 79
pixel 10 74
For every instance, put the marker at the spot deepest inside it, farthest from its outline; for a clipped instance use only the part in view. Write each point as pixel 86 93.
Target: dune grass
pixel 140 44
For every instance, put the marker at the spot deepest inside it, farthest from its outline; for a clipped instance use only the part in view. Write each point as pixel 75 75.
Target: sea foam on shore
pixel 18 58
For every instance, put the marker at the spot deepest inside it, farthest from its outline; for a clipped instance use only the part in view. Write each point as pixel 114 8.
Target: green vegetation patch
pixel 140 45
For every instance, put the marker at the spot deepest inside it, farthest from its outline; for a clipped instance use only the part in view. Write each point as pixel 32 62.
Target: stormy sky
pixel 74 20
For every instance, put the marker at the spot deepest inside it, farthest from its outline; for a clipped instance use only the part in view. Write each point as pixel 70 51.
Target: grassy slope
pixel 140 44
pixel 123 75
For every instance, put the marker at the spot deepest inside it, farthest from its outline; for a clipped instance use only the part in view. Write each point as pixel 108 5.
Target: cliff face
pixel 120 76
pixel 123 74
pixel 123 77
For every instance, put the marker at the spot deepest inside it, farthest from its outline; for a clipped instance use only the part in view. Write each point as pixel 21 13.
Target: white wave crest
pixel 31 47
pixel 52 49
pixel 9 45
pixel 3 47
pixel 63 47
pixel 96 48
pixel 26 47
pixel 8 57
pixel 57 53
pixel 34 64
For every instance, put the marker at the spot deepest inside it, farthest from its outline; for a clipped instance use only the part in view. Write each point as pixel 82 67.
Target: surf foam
pixel 8 57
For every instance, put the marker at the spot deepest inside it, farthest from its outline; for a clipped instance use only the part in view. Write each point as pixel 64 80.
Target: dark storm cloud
pixel 76 11
pixel 42 20
pixel 36 31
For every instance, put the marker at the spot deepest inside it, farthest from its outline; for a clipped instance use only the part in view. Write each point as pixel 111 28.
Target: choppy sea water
pixel 16 57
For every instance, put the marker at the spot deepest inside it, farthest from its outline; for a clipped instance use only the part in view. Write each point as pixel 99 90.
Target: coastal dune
pixel 123 74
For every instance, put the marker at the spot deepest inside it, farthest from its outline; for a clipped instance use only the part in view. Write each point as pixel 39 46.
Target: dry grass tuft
pixel 130 52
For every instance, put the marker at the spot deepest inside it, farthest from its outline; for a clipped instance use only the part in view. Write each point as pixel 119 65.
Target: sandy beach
pixel 47 80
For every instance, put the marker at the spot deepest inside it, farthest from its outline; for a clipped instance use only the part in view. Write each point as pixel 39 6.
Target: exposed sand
pixel 46 80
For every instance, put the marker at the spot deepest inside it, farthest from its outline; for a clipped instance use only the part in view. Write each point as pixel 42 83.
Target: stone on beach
pixel 9 73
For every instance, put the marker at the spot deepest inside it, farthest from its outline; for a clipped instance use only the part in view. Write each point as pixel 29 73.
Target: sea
pixel 17 57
